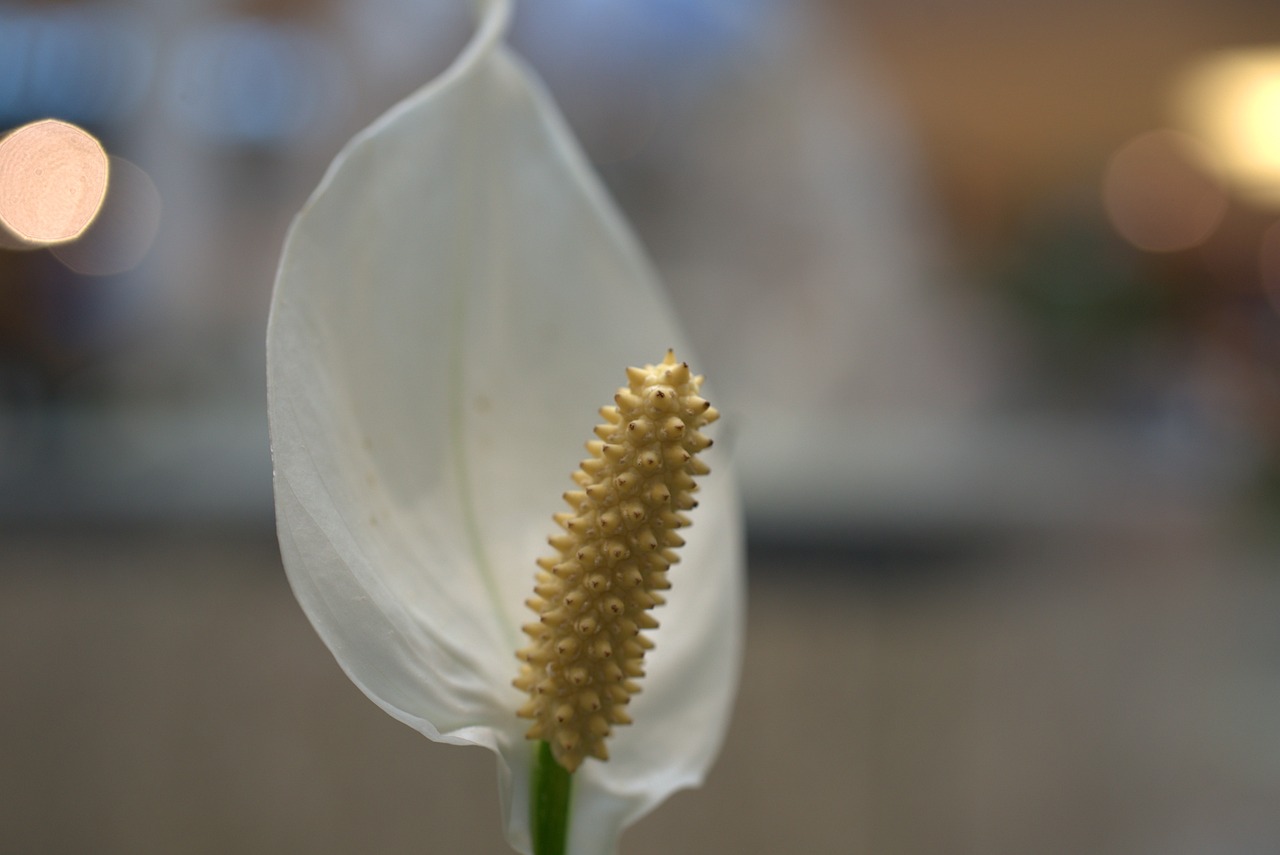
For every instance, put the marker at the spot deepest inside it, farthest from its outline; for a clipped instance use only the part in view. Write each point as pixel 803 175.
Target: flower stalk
pixel 551 788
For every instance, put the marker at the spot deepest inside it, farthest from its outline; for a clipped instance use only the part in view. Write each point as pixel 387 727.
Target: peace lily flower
pixel 454 304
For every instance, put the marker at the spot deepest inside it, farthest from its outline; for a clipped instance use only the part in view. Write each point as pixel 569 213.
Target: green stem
pixel 549 803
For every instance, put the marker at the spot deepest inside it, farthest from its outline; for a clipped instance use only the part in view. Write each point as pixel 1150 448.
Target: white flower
pixel 453 305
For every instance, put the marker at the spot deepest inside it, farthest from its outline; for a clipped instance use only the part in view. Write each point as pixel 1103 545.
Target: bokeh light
pixel 124 230
pixel 1232 101
pixel 1033 499
pixel 1159 195
pixel 53 178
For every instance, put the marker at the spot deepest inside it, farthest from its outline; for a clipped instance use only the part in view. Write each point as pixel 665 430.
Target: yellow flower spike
pixel 587 639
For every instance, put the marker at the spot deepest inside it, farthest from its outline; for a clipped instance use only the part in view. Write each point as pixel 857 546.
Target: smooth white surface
pixel 454 304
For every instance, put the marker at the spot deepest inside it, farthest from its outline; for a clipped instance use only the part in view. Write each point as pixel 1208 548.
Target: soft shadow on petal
pixel 454 304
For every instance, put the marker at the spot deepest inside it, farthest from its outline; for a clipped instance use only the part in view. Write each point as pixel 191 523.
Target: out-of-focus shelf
pixel 206 463
pixel 895 474
pixel 944 473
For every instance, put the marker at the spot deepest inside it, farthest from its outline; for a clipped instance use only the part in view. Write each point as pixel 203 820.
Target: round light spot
pixel 1157 194
pixel 1231 99
pixel 53 177
pixel 123 231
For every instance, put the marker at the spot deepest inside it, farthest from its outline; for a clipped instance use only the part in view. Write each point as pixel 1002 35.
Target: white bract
pixel 454 304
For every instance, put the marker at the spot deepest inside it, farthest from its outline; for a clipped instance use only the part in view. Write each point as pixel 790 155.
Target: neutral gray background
pixel 163 693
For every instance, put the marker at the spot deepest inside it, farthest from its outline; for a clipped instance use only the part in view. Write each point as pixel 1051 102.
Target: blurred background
pixel 989 292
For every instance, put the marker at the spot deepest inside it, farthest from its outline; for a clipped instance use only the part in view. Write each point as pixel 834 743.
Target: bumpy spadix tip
pixel 615 546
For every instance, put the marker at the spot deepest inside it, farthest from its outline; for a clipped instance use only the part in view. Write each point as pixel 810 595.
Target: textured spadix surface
pixel 613 555
pixel 453 304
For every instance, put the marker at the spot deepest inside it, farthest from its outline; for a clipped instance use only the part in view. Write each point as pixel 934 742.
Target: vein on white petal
pixel 464 251
pixel 494 17
pixel 488 34
pixel 334 531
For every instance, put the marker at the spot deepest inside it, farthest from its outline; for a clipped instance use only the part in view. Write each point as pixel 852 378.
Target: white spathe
pixel 454 303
